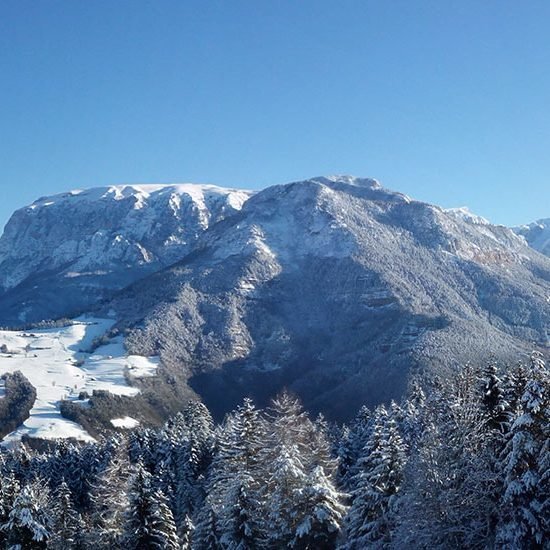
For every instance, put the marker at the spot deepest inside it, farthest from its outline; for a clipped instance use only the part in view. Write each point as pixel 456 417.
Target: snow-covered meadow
pixel 58 364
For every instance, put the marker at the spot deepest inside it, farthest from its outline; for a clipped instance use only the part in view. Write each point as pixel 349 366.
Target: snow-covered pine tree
pixel 378 481
pixel 141 447
pixel 514 382
pixel 186 533
pixel 110 502
pixel 322 447
pixel 413 409
pixel 191 456
pixel 163 531
pixel 447 498
pixel 29 520
pixel 493 398
pixel 9 487
pixel 207 532
pixel 321 525
pixel 353 440
pixel 296 457
pixel 150 523
pixel 235 477
pixel 287 482
pixel 167 445
pixel 68 528
pixel 201 429
pixel 524 465
pixel 239 525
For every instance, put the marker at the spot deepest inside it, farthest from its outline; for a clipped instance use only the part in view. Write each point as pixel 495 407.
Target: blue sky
pixel 444 100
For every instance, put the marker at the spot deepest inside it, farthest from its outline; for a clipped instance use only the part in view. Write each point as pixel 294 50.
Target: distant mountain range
pixel 334 287
pixel 537 234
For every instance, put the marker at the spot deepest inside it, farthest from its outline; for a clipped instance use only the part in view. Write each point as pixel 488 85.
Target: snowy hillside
pixel 56 363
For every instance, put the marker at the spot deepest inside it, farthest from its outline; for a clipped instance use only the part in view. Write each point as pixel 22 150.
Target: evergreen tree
pixel 377 483
pixel 239 523
pixel 110 502
pixel 163 529
pixel 351 445
pixel 413 409
pixel 448 492
pixel 296 459
pixel 191 451
pixel 207 532
pixel 187 530
pixel 9 487
pixel 321 525
pixel 235 477
pixel 68 528
pixel 495 405
pixel 29 520
pixel 150 523
pixel 524 466
pixel 286 484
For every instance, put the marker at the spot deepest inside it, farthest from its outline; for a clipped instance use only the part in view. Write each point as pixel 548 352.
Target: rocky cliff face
pixel 63 253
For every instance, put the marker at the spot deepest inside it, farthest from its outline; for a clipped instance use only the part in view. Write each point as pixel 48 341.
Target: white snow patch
pixel 57 364
pixel 141 367
pixel 125 422
pixel 144 191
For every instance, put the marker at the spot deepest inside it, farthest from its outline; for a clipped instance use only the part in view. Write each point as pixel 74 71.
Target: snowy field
pixel 56 364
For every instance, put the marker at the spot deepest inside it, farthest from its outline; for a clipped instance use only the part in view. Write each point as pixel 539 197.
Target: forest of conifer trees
pixel 462 462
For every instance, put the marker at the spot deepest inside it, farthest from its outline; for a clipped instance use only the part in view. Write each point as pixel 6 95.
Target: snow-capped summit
pixel 145 192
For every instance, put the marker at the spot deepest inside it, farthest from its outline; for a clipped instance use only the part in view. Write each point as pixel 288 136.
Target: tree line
pixel 462 462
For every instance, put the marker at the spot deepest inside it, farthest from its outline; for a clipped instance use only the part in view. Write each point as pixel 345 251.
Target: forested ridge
pixel 462 462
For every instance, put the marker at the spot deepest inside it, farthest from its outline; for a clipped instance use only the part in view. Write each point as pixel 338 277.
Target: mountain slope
pixel 537 234
pixel 337 288
pixel 64 253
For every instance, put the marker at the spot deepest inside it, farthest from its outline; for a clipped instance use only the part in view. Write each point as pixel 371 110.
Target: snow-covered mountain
pixel 337 288
pixel 63 253
pixel 537 234
pixel 333 286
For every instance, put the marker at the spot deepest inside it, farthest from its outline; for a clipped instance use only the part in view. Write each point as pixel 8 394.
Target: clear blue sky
pixel 447 101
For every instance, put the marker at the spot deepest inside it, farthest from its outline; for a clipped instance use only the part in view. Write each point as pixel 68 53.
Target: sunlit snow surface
pixel 125 422
pixel 50 359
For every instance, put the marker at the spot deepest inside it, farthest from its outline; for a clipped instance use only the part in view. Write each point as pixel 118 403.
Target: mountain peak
pixel 369 183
